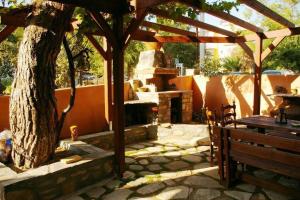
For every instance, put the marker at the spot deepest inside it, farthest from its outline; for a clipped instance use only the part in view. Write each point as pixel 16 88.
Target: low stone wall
pixel 133 134
pixel 57 179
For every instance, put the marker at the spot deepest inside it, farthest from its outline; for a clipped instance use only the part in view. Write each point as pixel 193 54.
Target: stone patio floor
pixel 162 170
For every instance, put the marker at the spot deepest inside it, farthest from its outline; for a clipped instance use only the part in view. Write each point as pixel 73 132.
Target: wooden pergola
pixel 118 37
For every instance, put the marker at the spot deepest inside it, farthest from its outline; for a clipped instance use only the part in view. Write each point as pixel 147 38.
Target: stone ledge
pixel 57 179
pixel 133 134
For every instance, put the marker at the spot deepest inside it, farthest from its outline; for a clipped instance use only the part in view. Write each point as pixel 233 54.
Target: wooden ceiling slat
pixel 186 20
pixel 261 8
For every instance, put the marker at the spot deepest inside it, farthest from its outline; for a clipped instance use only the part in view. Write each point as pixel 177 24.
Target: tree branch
pixel 60 123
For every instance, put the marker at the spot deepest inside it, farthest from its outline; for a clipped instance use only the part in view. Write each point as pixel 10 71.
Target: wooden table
pixel 263 122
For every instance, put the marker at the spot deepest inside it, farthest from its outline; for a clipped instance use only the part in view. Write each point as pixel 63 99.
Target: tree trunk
pixel 33 115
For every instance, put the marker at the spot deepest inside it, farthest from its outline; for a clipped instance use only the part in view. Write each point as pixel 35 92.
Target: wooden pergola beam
pixel 104 27
pixel 188 39
pixel 247 49
pixel 16 17
pixel 111 6
pixel 186 20
pixel 148 36
pixel 271 34
pixel 145 36
pixel 257 74
pixel 6 31
pixel 261 8
pixel 271 47
pixel 108 84
pixel 234 20
pixel 167 28
pixel 133 26
pixel 223 15
pixel 118 88
pixel 97 46
pixel 282 32
pixel 141 6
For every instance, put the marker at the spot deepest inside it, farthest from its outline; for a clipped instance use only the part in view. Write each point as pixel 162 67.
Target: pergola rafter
pixel 230 18
pixel 264 10
pixel 189 21
pixel 168 29
pixel 118 37
pixel 224 16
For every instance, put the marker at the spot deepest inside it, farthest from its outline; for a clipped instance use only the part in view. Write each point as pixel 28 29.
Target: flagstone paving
pixel 159 170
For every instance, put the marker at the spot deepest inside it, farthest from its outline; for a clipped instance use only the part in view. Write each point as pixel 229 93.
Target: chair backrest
pixel 228 115
pixel 211 117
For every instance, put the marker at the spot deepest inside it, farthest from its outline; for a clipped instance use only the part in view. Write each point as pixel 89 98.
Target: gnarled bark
pixel 33 116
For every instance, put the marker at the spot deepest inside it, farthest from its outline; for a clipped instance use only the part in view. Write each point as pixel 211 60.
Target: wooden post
pixel 257 74
pixel 118 77
pixel 107 82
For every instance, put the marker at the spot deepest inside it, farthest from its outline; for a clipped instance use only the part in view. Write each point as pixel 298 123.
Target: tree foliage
pixel 287 54
pixel 132 53
pixel 185 53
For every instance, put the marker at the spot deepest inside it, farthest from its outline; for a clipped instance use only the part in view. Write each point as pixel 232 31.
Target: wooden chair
pixel 211 121
pixel 228 115
pixel 272 153
pixel 218 141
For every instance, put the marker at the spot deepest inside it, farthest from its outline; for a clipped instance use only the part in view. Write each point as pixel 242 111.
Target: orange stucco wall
pixel 87 113
pixel 214 91
pixel 182 82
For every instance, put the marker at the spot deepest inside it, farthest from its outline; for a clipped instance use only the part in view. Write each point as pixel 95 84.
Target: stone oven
pixel 155 71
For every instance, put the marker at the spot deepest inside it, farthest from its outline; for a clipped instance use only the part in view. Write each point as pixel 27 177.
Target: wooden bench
pixel 269 152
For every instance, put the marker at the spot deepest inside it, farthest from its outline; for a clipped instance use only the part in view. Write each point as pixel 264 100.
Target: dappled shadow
pixel 196 180
pixel 236 83
pixel 215 90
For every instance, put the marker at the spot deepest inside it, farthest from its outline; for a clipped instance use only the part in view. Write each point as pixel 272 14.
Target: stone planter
pixel 57 179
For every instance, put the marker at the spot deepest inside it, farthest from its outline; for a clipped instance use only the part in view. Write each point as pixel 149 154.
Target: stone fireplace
pixel 164 101
pixel 155 70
